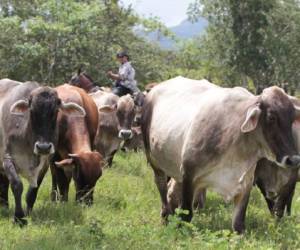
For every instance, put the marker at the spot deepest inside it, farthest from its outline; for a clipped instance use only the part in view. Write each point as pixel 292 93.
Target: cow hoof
pixel 186 216
pixel 239 229
pixel 54 196
pixel 28 211
pixel 20 221
pixel 165 212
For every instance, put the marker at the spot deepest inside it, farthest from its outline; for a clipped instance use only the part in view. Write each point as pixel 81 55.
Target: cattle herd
pixel 196 135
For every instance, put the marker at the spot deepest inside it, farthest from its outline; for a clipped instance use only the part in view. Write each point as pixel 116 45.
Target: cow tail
pixel 146 119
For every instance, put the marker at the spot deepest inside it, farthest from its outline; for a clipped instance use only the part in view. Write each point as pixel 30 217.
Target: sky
pixel 170 12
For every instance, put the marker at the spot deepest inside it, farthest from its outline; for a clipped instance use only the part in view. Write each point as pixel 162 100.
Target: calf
pixel 136 142
pixel 28 134
pixel 205 136
pixel 75 156
pixel 116 115
pixel 277 186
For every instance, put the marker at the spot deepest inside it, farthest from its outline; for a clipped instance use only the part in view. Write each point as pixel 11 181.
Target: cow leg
pixel 84 194
pixel 60 181
pixel 63 184
pixel 174 194
pixel 161 183
pixel 54 189
pixel 187 197
pixel 270 204
pixel 4 185
pixel 200 198
pixel 239 213
pixel 289 204
pixel 32 191
pixel 17 189
pixel 110 158
pixel 289 200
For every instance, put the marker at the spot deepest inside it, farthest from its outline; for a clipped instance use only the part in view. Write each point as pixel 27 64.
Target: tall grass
pixel 125 215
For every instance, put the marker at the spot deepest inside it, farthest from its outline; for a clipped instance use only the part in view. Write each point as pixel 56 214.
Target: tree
pixel 47 40
pixel 258 39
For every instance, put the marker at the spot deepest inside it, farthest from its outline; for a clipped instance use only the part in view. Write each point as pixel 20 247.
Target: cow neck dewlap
pixel 80 141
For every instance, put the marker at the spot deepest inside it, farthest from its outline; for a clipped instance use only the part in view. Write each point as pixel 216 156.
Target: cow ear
pixel 19 107
pixel 251 120
pixel 73 109
pixel 108 108
pixel 297 113
pixel 296 104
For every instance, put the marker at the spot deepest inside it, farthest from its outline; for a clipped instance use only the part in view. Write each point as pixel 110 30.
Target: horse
pixel 84 81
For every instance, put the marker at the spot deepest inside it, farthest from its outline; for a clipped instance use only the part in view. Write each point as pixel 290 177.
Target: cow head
pixel 275 113
pixel 42 107
pixel 87 170
pixel 139 99
pixel 125 111
pixel 276 184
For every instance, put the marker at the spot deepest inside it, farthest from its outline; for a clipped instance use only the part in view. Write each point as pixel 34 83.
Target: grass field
pixel 125 215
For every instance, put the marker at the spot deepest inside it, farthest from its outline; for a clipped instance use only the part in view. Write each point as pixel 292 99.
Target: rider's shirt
pixel 127 74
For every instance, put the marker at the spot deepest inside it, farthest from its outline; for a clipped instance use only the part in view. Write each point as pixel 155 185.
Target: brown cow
pixel 28 134
pixel 205 136
pixel 116 115
pixel 75 156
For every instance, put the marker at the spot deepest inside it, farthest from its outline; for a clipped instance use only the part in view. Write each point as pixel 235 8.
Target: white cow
pixel 205 136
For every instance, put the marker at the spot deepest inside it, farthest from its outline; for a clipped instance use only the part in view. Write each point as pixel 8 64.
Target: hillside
pixel 185 30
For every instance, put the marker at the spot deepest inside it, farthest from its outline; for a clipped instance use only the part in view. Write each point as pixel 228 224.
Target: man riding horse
pixel 124 79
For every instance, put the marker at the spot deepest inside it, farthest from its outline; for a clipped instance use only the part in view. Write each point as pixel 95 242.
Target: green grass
pixel 125 215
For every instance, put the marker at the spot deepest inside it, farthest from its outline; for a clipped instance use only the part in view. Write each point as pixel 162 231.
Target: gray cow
pixel 27 138
pixel 205 136
pixel 116 115
pixel 277 186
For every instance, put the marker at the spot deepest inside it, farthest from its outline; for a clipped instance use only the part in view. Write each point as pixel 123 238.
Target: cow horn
pixel 64 162
pixel 74 155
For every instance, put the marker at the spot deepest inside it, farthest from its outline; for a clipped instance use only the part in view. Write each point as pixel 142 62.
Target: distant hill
pixel 184 30
pixel 187 29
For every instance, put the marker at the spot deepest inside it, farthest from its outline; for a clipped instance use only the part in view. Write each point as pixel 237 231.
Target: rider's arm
pixel 114 76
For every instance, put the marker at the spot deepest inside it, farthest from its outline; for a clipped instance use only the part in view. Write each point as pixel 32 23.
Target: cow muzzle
pixel 271 195
pixel 290 161
pixel 43 148
pixel 125 134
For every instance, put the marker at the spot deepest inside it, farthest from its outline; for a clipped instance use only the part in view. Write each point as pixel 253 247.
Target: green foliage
pixel 251 41
pixel 125 215
pixel 48 40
